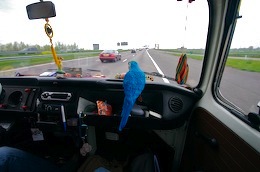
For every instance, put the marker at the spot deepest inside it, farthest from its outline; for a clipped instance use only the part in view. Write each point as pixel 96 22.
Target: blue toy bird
pixel 134 82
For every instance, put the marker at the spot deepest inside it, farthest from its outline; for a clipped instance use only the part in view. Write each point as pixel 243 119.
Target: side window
pixel 240 83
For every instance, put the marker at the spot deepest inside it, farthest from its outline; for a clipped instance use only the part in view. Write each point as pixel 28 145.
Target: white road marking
pixel 124 60
pixel 158 69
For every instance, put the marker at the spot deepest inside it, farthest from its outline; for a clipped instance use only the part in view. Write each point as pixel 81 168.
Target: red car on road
pixel 109 55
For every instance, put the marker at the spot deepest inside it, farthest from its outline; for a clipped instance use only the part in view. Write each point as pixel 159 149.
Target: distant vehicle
pixel 30 50
pixel 109 55
pixel 133 51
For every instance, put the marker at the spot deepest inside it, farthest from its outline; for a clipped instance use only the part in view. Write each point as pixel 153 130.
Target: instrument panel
pixel 15 98
pixel 160 107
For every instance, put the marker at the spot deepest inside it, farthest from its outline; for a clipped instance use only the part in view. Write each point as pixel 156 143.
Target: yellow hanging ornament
pixel 57 60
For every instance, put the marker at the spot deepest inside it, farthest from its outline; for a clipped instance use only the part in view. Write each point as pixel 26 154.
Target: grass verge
pixel 11 64
pixel 241 64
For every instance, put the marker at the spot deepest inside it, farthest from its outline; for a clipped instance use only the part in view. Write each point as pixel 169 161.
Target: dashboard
pixel 51 102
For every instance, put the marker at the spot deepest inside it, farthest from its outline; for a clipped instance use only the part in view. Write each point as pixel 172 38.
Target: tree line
pixel 18 46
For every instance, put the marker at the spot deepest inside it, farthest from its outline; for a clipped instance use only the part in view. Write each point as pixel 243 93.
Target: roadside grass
pixel 11 64
pixel 241 64
pixel 247 65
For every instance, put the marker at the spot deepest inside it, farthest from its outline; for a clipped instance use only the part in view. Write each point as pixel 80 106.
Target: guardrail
pixel 4 53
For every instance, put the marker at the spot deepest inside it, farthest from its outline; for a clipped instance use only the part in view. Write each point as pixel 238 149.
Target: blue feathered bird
pixel 133 83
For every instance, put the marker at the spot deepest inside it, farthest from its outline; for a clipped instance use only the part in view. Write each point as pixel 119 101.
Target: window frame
pixel 229 30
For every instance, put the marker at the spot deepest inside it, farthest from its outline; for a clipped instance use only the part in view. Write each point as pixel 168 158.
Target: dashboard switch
pixel 3 106
pixel 25 108
pixel 27 90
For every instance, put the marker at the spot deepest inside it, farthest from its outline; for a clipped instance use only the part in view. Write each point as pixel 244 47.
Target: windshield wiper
pixel 157 74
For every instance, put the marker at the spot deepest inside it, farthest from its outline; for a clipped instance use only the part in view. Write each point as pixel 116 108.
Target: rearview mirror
pixel 41 10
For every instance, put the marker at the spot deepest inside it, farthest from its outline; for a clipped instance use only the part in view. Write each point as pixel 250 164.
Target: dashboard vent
pixel 175 104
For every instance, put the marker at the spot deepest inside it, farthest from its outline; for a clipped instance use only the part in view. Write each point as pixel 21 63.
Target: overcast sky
pixel 137 22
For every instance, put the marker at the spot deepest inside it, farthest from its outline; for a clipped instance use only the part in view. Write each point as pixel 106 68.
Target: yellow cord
pixel 56 60
pixel 49 33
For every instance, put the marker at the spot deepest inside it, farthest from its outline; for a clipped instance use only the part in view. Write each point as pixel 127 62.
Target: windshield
pixel 152 33
pixel 108 51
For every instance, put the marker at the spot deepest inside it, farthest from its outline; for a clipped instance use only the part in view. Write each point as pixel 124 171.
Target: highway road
pixel 240 87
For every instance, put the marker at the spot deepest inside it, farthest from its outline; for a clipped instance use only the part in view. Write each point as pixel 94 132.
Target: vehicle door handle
pixel 210 140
